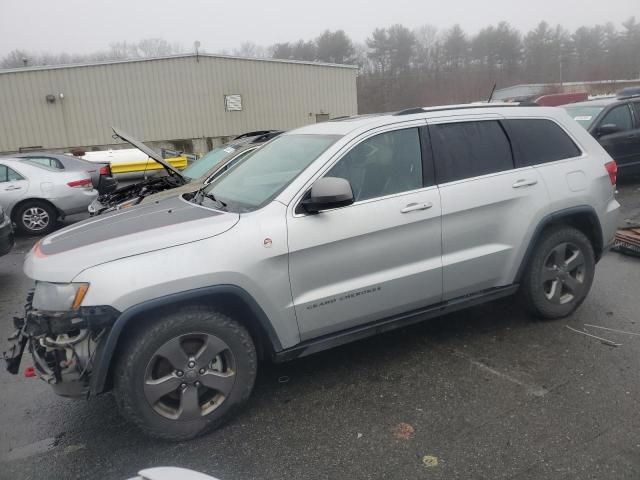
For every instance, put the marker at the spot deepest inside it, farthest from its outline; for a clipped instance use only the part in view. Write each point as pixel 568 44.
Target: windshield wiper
pixel 211 196
pixel 200 195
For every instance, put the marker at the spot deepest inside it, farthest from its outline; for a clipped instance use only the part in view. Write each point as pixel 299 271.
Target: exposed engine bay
pixel 62 346
pixel 133 194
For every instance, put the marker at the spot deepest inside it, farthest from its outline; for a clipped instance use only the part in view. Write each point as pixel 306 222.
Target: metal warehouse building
pixel 189 101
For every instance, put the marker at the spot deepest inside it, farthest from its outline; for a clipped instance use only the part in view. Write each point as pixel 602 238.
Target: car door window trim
pixel 296 209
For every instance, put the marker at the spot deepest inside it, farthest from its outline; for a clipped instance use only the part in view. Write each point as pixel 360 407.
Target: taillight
pixel 105 170
pixel 612 170
pixel 84 183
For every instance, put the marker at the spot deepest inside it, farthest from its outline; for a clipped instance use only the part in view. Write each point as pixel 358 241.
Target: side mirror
pixel 328 193
pixel 608 129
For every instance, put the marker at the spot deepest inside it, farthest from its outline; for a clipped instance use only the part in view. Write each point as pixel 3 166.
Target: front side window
pixel 9 175
pixel 537 141
pixel 264 174
pixel 619 116
pixel 469 149
pixel 382 165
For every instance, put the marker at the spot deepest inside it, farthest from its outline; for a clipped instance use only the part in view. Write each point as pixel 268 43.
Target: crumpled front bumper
pixel 62 345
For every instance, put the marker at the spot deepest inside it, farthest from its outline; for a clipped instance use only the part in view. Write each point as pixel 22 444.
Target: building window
pixel 233 103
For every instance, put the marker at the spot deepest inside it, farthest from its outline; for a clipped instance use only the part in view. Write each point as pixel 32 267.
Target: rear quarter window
pixel 537 141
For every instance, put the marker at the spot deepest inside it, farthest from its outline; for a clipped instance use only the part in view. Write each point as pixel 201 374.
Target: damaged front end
pixel 62 345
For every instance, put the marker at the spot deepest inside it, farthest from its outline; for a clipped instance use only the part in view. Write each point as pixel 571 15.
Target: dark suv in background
pixel 615 123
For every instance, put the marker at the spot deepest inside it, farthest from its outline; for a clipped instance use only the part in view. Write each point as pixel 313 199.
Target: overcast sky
pixel 86 25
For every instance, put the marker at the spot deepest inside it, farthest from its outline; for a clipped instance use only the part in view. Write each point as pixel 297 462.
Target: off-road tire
pixel 144 341
pixel 41 206
pixel 532 291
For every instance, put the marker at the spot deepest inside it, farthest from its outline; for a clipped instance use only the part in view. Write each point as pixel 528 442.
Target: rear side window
pixel 469 149
pixel 538 141
pixel 8 175
pixel 47 162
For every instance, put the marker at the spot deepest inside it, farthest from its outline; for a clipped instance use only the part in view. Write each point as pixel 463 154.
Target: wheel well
pixel 229 304
pixel 17 206
pixel 581 218
pixel 587 223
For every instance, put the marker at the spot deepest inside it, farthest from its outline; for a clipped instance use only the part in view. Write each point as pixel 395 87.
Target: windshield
pixel 201 166
pixel 584 115
pixel 257 179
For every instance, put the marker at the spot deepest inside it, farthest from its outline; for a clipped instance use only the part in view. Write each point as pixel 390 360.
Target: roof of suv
pixel 345 125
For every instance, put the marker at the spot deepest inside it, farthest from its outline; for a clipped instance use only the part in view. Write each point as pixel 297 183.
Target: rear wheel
pixel 185 374
pixel 560 273
pixel 35 217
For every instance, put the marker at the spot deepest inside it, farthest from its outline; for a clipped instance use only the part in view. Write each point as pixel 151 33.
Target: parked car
pixel 196 175
pixel 615 123
pixel 101 177
pixel 6 233
pixel 35 196
pixel 326 234
pixel 130 162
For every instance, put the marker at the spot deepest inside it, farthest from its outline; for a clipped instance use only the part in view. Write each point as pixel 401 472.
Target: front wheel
pixel 559 274
pixel 185 374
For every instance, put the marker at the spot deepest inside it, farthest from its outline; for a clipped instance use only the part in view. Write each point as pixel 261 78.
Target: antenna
pixel 196 46
pixel 491 94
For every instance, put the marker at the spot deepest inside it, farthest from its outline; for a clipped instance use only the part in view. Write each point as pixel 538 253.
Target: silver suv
pixel 327 234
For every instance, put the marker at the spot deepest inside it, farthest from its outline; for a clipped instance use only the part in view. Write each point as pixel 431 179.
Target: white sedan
pixel 35 196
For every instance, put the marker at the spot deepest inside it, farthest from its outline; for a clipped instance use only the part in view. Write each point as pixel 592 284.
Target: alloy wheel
pixel 35 218
pixel 563 273
pixel 189 376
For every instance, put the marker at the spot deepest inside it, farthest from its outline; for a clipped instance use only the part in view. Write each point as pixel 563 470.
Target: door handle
pixel 524 183
pixel 412 207
pixel 13 187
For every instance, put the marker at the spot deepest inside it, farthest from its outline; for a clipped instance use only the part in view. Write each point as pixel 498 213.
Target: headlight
pixel 59 297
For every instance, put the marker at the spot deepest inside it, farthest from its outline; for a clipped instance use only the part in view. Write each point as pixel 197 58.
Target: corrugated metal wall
pixel 166 99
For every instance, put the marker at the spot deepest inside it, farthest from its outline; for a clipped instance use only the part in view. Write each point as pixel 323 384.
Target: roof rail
pixel 470 106
pixel 410 111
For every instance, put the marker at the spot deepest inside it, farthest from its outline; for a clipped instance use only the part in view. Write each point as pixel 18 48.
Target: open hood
pixel 147 151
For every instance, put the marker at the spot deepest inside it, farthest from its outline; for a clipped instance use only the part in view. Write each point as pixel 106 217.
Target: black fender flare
pixel 105 351
pixel 554 218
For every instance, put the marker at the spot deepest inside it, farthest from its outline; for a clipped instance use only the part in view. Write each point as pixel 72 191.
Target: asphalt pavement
pixel 486 393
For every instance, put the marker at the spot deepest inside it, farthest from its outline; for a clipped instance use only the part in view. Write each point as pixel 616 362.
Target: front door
pixel 377 257
pixel 623 146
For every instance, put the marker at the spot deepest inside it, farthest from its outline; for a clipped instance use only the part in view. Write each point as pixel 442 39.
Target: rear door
pixel 623 146
pixel 13 187
pixel 487 203
pixel 379 256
